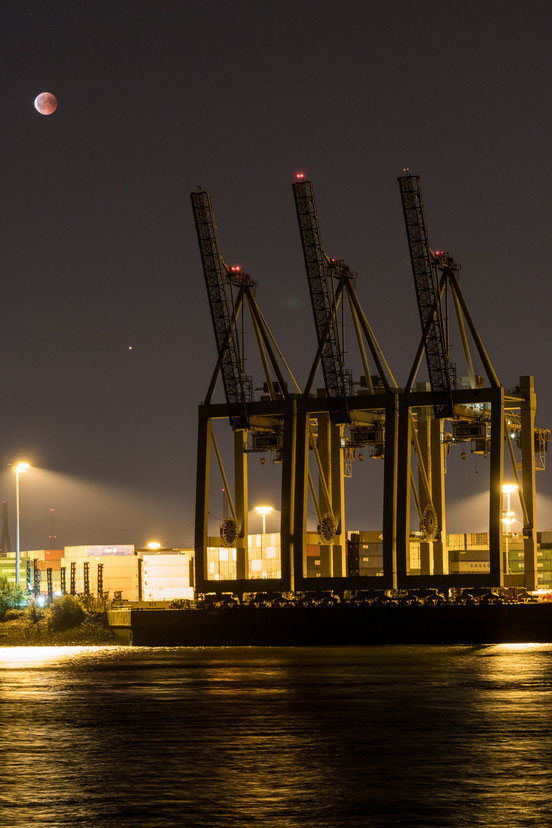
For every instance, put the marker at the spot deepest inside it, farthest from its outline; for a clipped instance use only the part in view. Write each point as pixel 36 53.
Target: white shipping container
pixel 103 551
pixel 168 594
pixel 156 578
pixel 168 560
pixel 180 567
pixel 161 580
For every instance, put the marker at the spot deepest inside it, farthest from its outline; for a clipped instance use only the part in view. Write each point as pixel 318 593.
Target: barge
pixel 343 624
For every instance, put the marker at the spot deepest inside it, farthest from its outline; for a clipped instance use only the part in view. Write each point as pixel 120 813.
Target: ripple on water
pixel 428 736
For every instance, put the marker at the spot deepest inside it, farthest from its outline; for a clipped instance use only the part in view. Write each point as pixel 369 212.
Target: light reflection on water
pixel 428 736
pixel 25 657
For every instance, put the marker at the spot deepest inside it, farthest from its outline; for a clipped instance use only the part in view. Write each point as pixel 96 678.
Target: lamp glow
pixel 264 511
pixel 20 467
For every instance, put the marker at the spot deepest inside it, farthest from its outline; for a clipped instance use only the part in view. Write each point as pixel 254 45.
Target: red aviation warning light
pixel 235 268
pixel 300 176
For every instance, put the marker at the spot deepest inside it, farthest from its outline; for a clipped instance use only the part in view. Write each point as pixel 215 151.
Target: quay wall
pixel 340 625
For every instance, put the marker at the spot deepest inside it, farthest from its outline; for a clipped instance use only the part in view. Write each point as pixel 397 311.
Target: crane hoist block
pixel 366 436
pixel 464 430
pixel 261 441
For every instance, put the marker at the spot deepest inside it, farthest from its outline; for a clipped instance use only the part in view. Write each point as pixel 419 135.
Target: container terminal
pixel 319 433
pixel 333 582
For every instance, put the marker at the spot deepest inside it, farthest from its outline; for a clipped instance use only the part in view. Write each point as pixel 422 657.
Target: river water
pixel 425 736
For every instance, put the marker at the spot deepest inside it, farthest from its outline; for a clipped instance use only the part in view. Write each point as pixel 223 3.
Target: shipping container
pixel 371 537
pixel 473 566
pixel 101 550
pixel 469 555
pixel 53 554
pixel 168 594
pixel 371 572
pixel 545 537
pixel 159 581
pixel 371 560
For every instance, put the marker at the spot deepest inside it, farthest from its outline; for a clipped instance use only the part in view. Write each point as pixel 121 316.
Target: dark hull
pixel 340 625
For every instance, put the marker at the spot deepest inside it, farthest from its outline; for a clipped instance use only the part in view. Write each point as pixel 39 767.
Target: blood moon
pixel 45 103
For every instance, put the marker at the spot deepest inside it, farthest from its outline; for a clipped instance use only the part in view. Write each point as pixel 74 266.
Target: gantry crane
pixel 331 282
pixel 480 413
pixel 368 417
pixel 391 420
pixel 263 426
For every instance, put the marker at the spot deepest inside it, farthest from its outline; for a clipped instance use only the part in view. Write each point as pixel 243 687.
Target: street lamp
pixel 507 517
pixel 264 511
pixel 19 469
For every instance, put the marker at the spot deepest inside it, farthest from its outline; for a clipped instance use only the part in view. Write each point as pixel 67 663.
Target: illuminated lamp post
pixel 19 469
pixel 507 517
pixel 264 511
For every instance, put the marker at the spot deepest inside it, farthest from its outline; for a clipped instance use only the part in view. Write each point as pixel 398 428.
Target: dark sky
pixel 98 249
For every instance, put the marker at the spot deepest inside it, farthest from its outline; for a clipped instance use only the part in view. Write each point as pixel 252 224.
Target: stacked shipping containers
pixel 469 552
pixel 166 577
pixel 544 557
pixel 264 556
pixel 120 572
pixel 7 570
pixel 50 559
pixel 370 557
pixel 263 559
pixel 221 563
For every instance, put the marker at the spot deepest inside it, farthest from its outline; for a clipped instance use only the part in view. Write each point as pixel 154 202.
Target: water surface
pixel 428 736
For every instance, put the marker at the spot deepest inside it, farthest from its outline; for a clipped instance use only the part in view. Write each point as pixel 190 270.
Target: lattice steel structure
pixel 424 268
pixel 216 274
pixel 323 299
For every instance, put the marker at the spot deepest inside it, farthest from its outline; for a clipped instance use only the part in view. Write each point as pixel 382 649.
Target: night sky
pixel 98 249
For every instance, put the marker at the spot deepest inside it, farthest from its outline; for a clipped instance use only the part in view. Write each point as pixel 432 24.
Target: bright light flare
pixel 22 657
pixel 22 467
pixel 509 488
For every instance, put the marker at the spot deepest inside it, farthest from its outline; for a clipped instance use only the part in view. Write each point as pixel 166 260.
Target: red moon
pixel 45 103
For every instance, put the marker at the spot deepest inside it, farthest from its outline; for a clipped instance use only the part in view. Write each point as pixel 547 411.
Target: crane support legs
pixel 528 407
pixel 440 578
pixel 296 416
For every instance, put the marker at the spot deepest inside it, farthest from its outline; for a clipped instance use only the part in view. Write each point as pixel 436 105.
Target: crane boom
pixel 323 305
pixel 427 293
pixel 216 273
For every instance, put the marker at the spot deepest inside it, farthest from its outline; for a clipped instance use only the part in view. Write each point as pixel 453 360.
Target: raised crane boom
pixel 322 299
pixel 216 278
pixel 426 283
